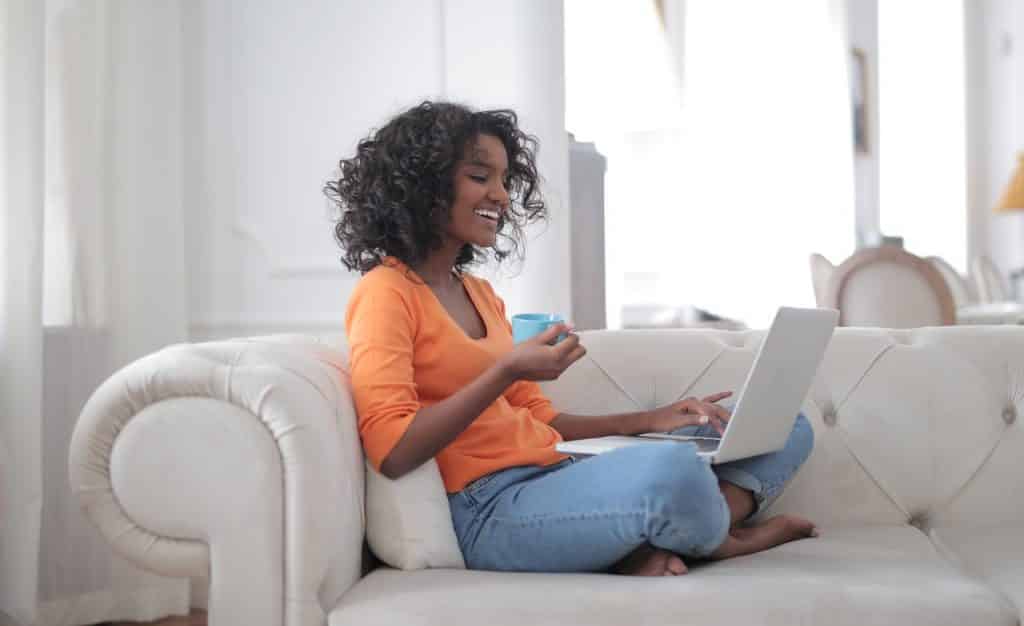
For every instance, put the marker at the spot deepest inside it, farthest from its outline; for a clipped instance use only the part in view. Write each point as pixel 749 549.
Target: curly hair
pixel 395 194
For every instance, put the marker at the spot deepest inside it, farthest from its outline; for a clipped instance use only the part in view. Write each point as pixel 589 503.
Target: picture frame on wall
pixel 859 100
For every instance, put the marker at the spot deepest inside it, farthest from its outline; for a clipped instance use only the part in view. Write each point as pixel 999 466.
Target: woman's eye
pixel 479 179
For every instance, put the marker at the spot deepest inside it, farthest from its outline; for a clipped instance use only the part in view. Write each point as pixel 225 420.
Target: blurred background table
pixel 991 313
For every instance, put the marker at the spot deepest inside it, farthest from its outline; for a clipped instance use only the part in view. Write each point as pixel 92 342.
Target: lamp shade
pixel 1013 197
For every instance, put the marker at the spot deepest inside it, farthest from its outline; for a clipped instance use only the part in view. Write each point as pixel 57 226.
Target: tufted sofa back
pixel 916 426
pixel 911 426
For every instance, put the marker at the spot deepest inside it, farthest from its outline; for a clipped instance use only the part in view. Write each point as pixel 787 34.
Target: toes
pixel 798 525
pixel 675 566
pixel 653 564
pixel 657 565
pixel 802 528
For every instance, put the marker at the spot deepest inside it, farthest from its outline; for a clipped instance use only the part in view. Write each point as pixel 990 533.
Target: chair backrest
pixel 988 280
pixel 821 272
pixel 890 288
pixel 954 280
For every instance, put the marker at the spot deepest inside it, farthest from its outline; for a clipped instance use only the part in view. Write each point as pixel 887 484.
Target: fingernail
pixel 814 532
pixel 703 419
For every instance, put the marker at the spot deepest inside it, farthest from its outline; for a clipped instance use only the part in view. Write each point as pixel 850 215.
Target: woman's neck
pixel 436 270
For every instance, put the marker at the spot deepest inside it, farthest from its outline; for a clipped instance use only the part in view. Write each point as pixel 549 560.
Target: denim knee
pixel 687 512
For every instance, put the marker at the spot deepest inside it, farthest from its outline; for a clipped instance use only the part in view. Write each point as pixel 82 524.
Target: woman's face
pixel 480 193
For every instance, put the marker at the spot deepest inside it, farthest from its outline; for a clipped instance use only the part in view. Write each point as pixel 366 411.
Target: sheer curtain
pixel 107 281
pixel 21 223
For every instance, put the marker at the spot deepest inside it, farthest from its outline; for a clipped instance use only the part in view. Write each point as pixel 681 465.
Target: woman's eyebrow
pixel 476 161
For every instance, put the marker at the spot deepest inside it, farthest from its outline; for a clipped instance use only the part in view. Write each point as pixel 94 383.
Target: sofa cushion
pixel 994 554
pixel 855 576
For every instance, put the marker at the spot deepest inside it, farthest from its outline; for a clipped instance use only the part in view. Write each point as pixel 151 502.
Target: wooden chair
pixel 821 272
pixel 890 288
pixel 957 284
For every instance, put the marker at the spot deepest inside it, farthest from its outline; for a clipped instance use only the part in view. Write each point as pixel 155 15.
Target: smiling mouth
pixel 490 217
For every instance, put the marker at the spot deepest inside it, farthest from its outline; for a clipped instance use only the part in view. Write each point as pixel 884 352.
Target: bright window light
pixel 716 202
pixel 922 169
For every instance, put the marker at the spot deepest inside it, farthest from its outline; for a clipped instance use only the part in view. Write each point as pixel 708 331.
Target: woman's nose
pixel 499 194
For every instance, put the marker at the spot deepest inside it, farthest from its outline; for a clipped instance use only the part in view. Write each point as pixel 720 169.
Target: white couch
pixel 240 460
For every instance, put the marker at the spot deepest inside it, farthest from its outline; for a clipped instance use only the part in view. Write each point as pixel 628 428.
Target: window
pixel 723 197
pixel 922 169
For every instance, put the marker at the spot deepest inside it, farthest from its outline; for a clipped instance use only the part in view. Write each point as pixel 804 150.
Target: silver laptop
pixel 771 397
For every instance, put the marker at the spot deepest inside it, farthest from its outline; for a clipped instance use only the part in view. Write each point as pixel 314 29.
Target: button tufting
pixel 830 418
pixel 919 521
pixel 1010 414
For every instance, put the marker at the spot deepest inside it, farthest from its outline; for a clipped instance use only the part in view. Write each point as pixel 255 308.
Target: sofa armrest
pixel 238 461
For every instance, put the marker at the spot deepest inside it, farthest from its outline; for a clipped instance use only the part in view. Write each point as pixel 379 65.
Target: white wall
pixel 862 29
pixel 277 92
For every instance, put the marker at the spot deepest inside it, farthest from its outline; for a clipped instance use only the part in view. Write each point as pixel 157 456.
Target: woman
pixel 435 374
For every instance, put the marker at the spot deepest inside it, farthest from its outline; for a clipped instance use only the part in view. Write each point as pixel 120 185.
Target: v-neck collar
pixel 465 284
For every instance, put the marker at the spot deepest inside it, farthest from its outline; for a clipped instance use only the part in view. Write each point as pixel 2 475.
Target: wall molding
pixel 228 326
pixel 282 266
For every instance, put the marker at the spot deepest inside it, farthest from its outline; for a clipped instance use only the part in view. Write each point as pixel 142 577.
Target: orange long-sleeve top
pixel 407 353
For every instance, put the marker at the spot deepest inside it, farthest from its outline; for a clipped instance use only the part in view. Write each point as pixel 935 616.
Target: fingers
pixel 715 397
pixel 576 354
pixel 711 413
pixel 569 351
pixel 722 416
pixel 564 348
pixel 564 362
pixel 561 354
pixel 695 405
pixel 550 333
pixel 698 419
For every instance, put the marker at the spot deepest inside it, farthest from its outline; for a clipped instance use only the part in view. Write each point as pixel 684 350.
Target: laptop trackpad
pixel 706 444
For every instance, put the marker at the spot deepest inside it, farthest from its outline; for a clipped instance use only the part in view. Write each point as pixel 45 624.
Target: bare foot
pixel 650 561
pixel 767 534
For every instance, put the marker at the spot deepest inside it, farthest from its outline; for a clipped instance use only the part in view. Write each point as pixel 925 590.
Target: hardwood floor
pixel 196 618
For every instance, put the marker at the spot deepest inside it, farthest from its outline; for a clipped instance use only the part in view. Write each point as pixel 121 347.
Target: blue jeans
pixel 584 515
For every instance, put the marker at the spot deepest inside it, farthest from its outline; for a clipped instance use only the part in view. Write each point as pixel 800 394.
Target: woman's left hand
pixel 689 412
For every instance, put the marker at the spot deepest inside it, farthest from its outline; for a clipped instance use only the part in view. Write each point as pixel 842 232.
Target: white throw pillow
pixel 408 522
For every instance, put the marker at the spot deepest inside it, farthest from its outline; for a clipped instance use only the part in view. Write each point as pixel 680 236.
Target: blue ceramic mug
pixel 526 325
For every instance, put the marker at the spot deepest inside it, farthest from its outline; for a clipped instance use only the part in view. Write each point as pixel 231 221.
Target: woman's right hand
pixel 536 359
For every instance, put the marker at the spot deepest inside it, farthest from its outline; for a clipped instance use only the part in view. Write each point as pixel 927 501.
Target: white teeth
pixel 488 214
